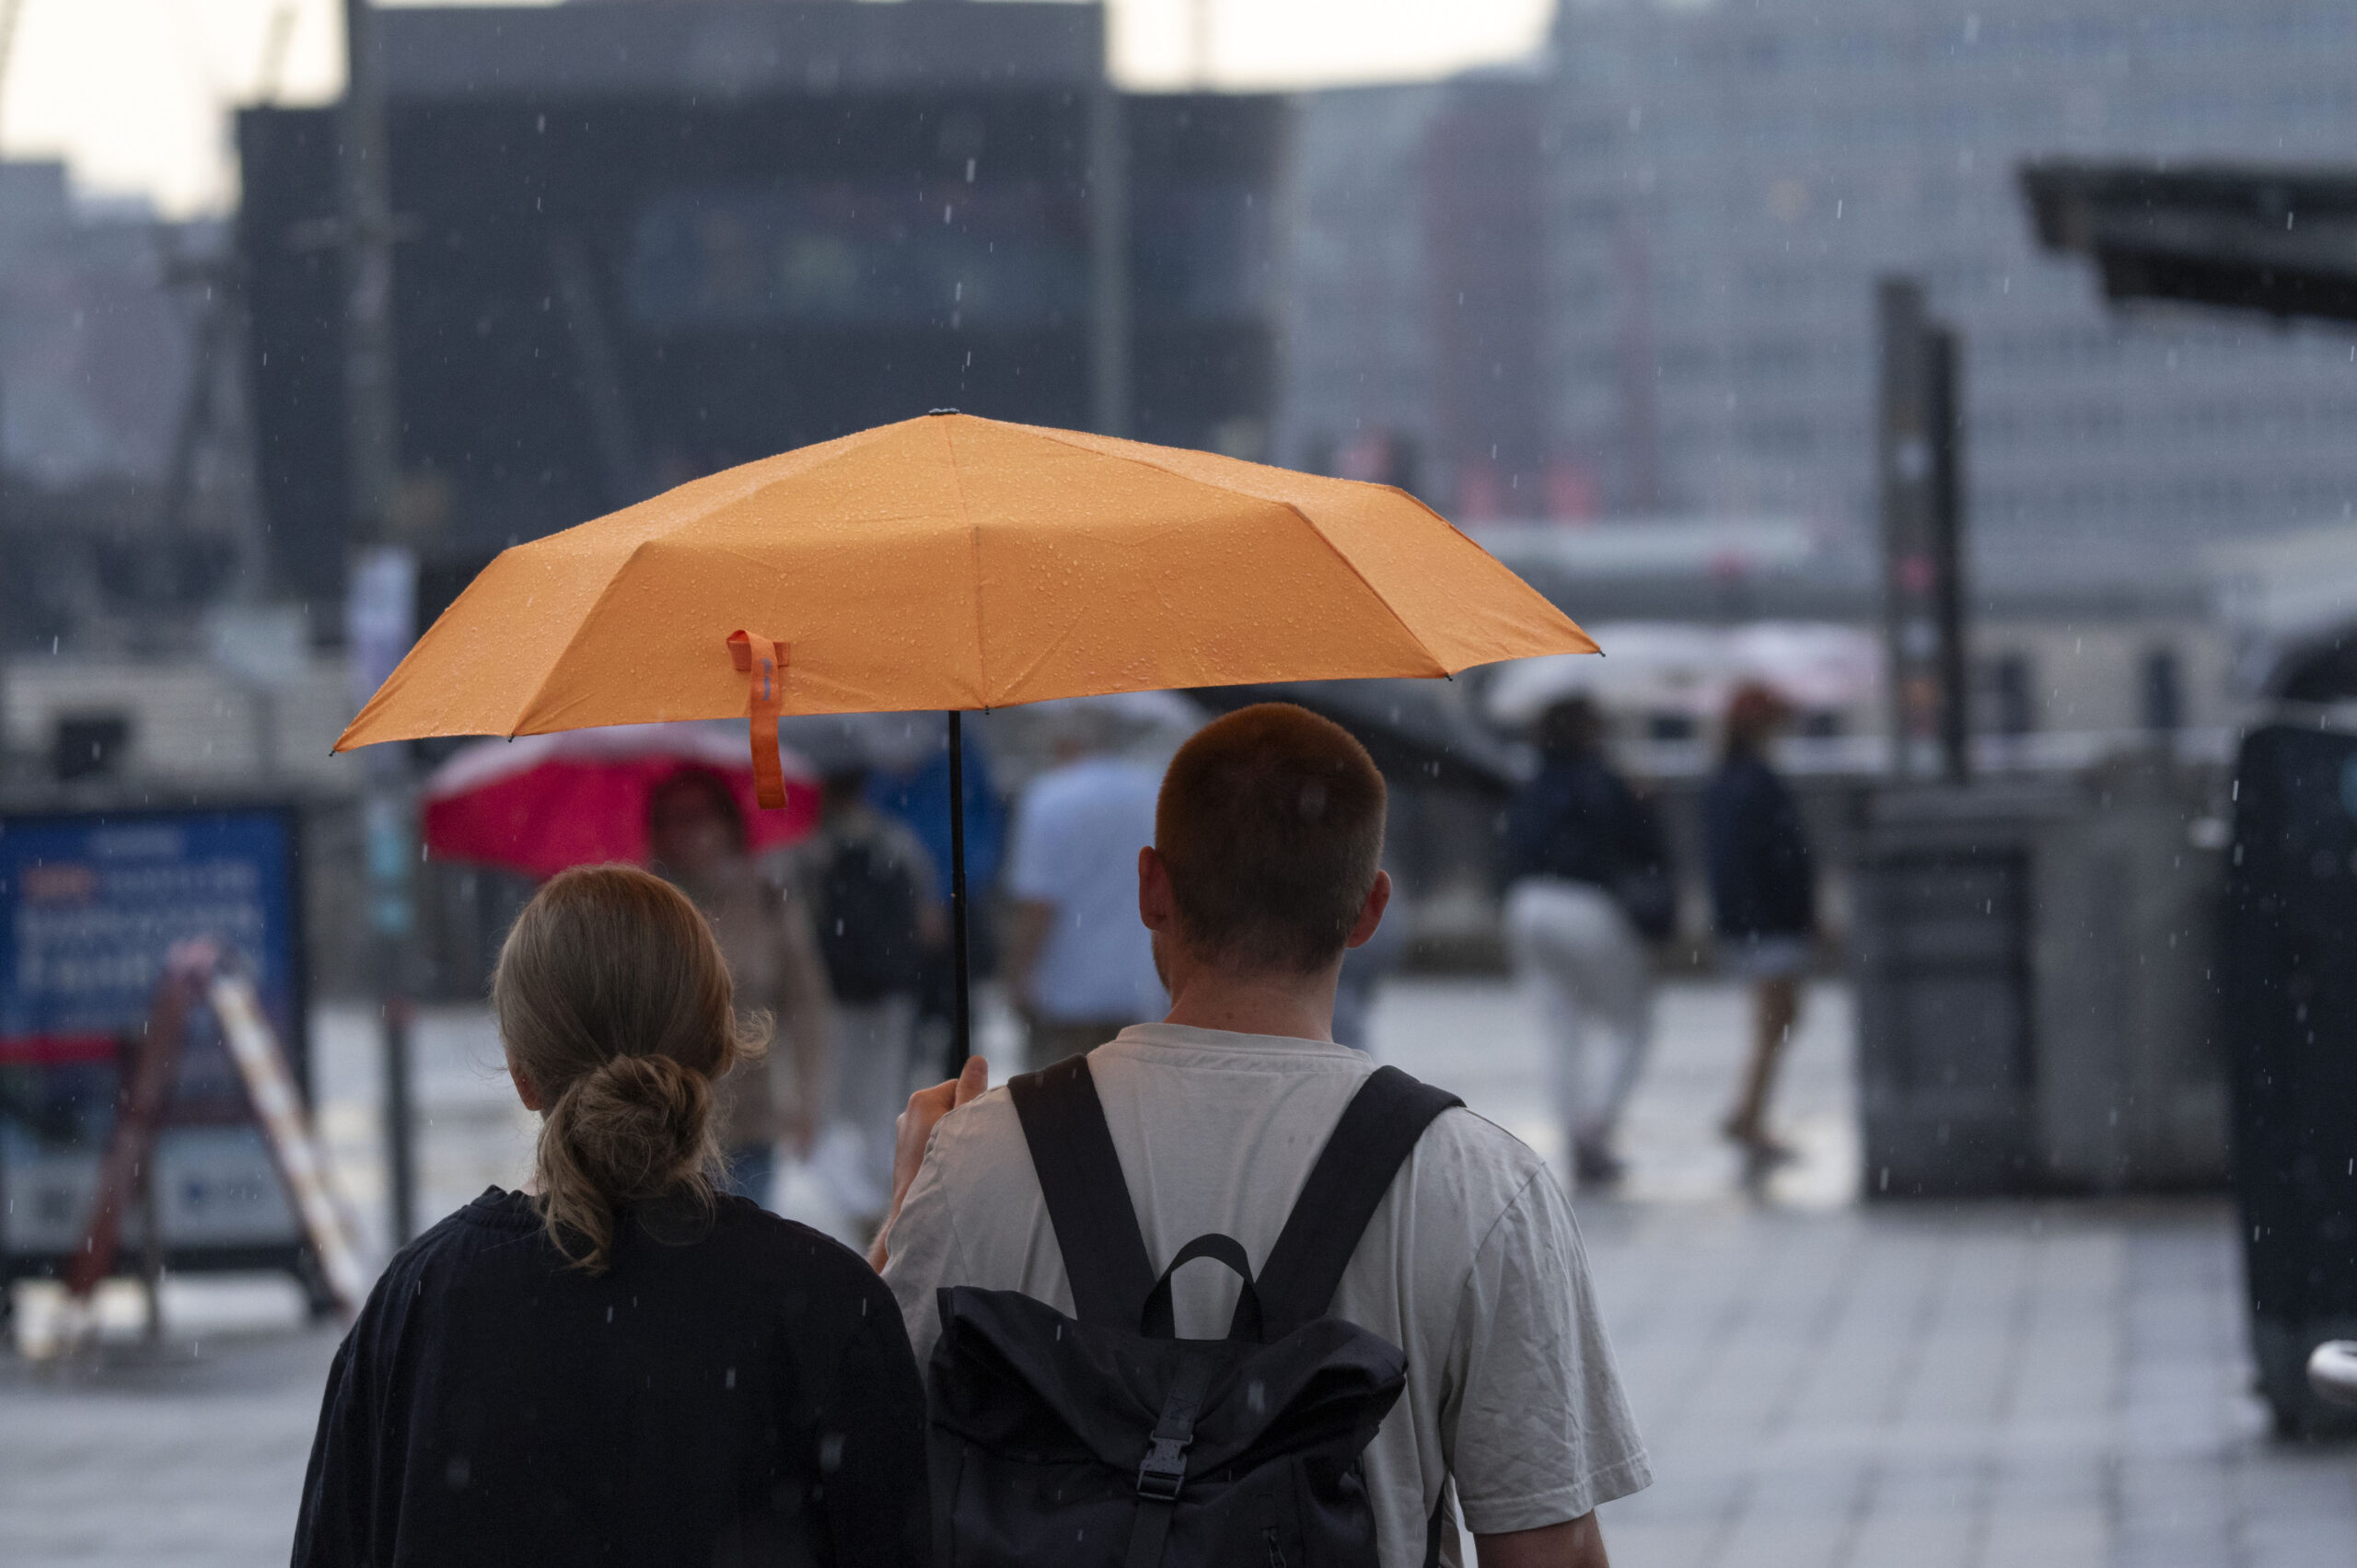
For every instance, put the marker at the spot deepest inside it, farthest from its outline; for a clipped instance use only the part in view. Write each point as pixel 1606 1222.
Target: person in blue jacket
pixel 1764 893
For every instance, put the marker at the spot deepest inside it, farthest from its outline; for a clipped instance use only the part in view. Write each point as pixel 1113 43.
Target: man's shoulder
pixel 1472 1167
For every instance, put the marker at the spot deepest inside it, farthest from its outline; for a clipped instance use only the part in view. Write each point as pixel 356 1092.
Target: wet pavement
pixel 1821 1383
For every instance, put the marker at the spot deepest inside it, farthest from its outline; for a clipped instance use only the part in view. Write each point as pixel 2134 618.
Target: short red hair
pixel 1271 824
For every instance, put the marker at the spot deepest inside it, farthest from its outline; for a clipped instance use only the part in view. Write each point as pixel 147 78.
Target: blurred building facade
pixel 1413 274
pixel 124 492
pixel 1634 279
pixel 1730 180
pixel 1642 270
pixel 639 243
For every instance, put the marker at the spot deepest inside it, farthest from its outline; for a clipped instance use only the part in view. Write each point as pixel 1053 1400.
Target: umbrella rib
pixel 1365 581
pixel 580 628
pixel 974 543
pixel 1299 515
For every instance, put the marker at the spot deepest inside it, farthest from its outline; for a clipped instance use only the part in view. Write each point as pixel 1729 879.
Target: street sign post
pixel 1919 447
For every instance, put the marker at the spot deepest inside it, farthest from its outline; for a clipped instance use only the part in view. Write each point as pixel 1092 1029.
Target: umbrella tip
pixel 929 413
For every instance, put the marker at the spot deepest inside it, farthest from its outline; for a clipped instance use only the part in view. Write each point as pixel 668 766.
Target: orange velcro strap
pixel 763 660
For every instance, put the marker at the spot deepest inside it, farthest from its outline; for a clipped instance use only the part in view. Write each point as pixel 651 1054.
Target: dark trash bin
pixel 1940 883
pixel 2291 986
pixel 2036 984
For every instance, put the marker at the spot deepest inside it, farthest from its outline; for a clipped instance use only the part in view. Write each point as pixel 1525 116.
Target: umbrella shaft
pixel 961 1038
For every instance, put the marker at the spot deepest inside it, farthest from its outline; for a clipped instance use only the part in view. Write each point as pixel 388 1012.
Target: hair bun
pixel 634 1124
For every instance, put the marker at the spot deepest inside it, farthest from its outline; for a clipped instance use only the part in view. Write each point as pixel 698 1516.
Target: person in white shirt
pixel 1077 961
pixel 1264 868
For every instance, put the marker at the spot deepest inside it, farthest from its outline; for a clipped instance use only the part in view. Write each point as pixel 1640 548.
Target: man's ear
pixel 1156 907
pixel 1378 898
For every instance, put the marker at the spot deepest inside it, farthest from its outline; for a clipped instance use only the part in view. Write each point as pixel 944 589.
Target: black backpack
pixel 868 921
pixel 1107 1442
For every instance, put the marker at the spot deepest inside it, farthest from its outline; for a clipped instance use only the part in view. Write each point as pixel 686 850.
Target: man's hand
pixel 914 1131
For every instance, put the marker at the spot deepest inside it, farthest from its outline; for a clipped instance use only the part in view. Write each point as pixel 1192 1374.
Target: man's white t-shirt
pixel 1076 839
pixel 1472 1265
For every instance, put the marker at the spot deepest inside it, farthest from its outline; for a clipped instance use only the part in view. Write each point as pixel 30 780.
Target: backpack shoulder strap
pixel 1378 1132
pixel 1088 1201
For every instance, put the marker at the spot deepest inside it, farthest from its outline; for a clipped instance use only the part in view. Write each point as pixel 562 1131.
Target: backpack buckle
pixel 1164 1470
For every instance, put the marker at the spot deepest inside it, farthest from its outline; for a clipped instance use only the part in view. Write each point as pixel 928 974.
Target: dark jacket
pixel 737 1388
pixel 1578 821
pixel 1763 879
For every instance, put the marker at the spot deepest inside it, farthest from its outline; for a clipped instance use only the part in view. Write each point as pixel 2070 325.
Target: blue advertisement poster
pixel 90 906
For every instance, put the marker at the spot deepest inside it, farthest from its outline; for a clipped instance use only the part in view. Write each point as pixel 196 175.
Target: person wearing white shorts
pixel 1584 864
pixel 1589 982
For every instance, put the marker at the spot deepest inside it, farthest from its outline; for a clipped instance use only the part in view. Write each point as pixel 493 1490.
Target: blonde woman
pixel 621 1363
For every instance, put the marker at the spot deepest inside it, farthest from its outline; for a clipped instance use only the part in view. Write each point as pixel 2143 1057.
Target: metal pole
pixel 372 434
pixel 1944 401
pixel 151 1248
pixel 400 1140
pixel 10 11
pixel 371 422
pixel 1919 458
pixel 961 1038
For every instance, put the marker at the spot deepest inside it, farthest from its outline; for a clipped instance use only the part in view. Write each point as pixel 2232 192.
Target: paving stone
pixel 1973 1386
pixel 2018 1537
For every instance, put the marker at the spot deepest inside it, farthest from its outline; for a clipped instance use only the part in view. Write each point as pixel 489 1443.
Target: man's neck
pixel 1293 1006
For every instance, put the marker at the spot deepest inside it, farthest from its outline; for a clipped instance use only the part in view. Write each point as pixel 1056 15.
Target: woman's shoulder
pixel 452 1249
pixel 794 1264
pixel 746 1241
pixel 741 1225
pixel 496 1218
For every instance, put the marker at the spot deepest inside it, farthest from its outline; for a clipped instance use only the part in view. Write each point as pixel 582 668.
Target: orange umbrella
pixel 957 562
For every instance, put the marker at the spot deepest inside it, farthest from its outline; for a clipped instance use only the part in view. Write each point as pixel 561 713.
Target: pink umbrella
pixel 542 803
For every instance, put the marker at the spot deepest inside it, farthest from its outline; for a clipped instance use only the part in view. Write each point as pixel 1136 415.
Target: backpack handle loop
pixel 1160 1321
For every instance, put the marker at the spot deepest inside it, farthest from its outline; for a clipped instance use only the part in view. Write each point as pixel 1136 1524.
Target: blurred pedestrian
pixel 1587 888
pixel 1079 964
pixel 1763 897
pixel 872 894
pixel 619 1364
pixel 696 838
pixel 1203 1128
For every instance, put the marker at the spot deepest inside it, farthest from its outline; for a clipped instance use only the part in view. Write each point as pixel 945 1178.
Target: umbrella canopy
pixel 956 563
pixel 547 802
